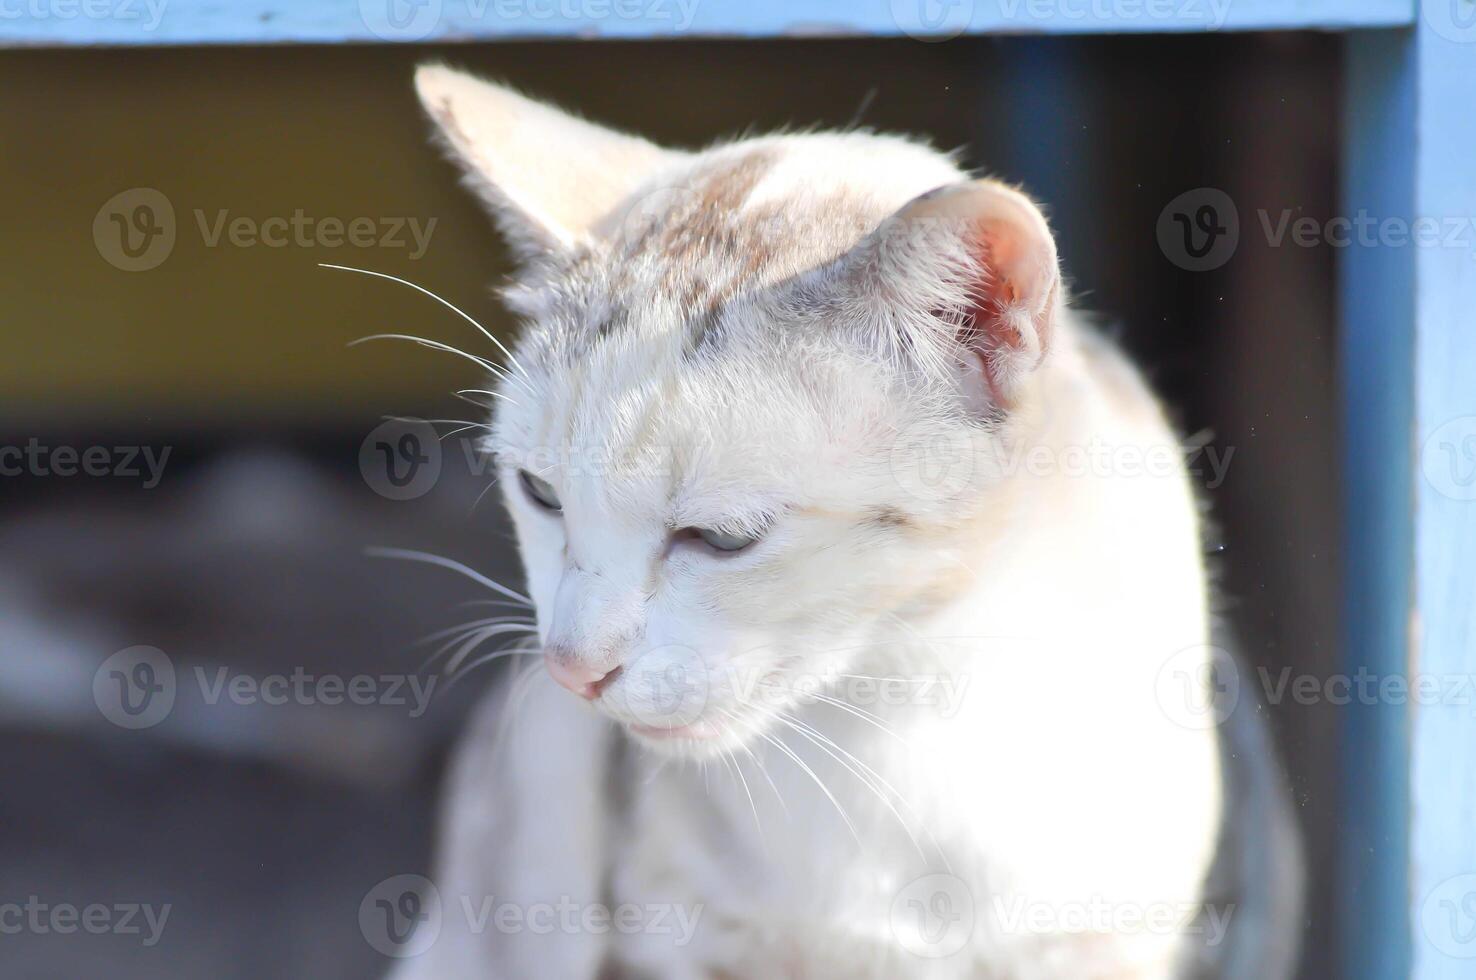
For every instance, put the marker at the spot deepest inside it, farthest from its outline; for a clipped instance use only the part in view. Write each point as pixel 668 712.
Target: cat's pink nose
pixel 582 679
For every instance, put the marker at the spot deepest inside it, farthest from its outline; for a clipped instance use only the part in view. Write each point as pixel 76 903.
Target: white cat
pixel 869 585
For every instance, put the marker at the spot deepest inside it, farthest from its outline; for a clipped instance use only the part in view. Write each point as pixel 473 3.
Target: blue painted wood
pixel 1443 775
pixel 1409 294
pixel 171 22
pixel 1377 367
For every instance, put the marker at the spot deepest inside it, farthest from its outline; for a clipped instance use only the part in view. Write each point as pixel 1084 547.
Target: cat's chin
pixel 697 740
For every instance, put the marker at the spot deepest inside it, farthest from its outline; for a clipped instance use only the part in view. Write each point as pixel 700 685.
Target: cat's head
pixel 742 432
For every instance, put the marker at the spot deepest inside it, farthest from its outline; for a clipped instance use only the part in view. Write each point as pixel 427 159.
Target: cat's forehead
pixel 700 241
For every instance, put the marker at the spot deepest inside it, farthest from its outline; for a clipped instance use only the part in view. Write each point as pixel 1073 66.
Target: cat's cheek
pixel 541 548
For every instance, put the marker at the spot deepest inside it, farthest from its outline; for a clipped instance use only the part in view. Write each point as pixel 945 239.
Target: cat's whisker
pixel 504 603
pixel 482 362
pixel 461 633
pixel 404 554
pixel 486 659
pixel 869 717
pixel 794 757
pixel 737 768
pixel 464 425
pixel 763 770
pixel 483 391
pixel 868 776
pixel 468 639
pixel 475 624
pixel 485 490
pixel 463 422
pixel 443 301
pixel 518 691
pixel 863 772
pixel 477 638
pixel 730 762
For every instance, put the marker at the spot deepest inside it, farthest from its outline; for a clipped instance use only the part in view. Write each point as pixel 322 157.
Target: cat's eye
pixel 725 541
pixel 542 492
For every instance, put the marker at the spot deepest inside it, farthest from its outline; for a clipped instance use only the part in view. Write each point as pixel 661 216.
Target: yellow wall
pixel 229 334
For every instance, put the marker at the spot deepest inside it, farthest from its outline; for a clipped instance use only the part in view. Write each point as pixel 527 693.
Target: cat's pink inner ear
pixel 1016 285
pixel 1008 325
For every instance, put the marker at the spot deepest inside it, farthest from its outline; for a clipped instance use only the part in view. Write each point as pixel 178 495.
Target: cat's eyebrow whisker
pixel 439 299
pixel 483 391
pixel 482 362
pixel 443 436
pixel 404 554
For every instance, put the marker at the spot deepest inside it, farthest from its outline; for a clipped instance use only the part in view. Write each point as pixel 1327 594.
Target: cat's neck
pixel 1089 539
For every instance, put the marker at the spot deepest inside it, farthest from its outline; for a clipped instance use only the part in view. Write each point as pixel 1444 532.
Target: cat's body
pixel 921 721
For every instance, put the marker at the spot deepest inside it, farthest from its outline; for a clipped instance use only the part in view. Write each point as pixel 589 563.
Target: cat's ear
pixel 965 277
pixel 547 176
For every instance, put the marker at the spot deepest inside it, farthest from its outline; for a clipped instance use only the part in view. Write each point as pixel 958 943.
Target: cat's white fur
pixel 847 346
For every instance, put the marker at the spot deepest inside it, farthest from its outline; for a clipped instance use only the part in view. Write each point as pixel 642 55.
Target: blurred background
pixel 241 462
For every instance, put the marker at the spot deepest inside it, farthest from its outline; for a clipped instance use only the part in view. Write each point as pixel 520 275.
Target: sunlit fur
pixel 741 339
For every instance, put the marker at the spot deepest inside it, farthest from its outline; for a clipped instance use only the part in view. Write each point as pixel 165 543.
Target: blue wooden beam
pixel 1443 764
pixel 1409 342
pixel 195 22
pixel 1377 372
